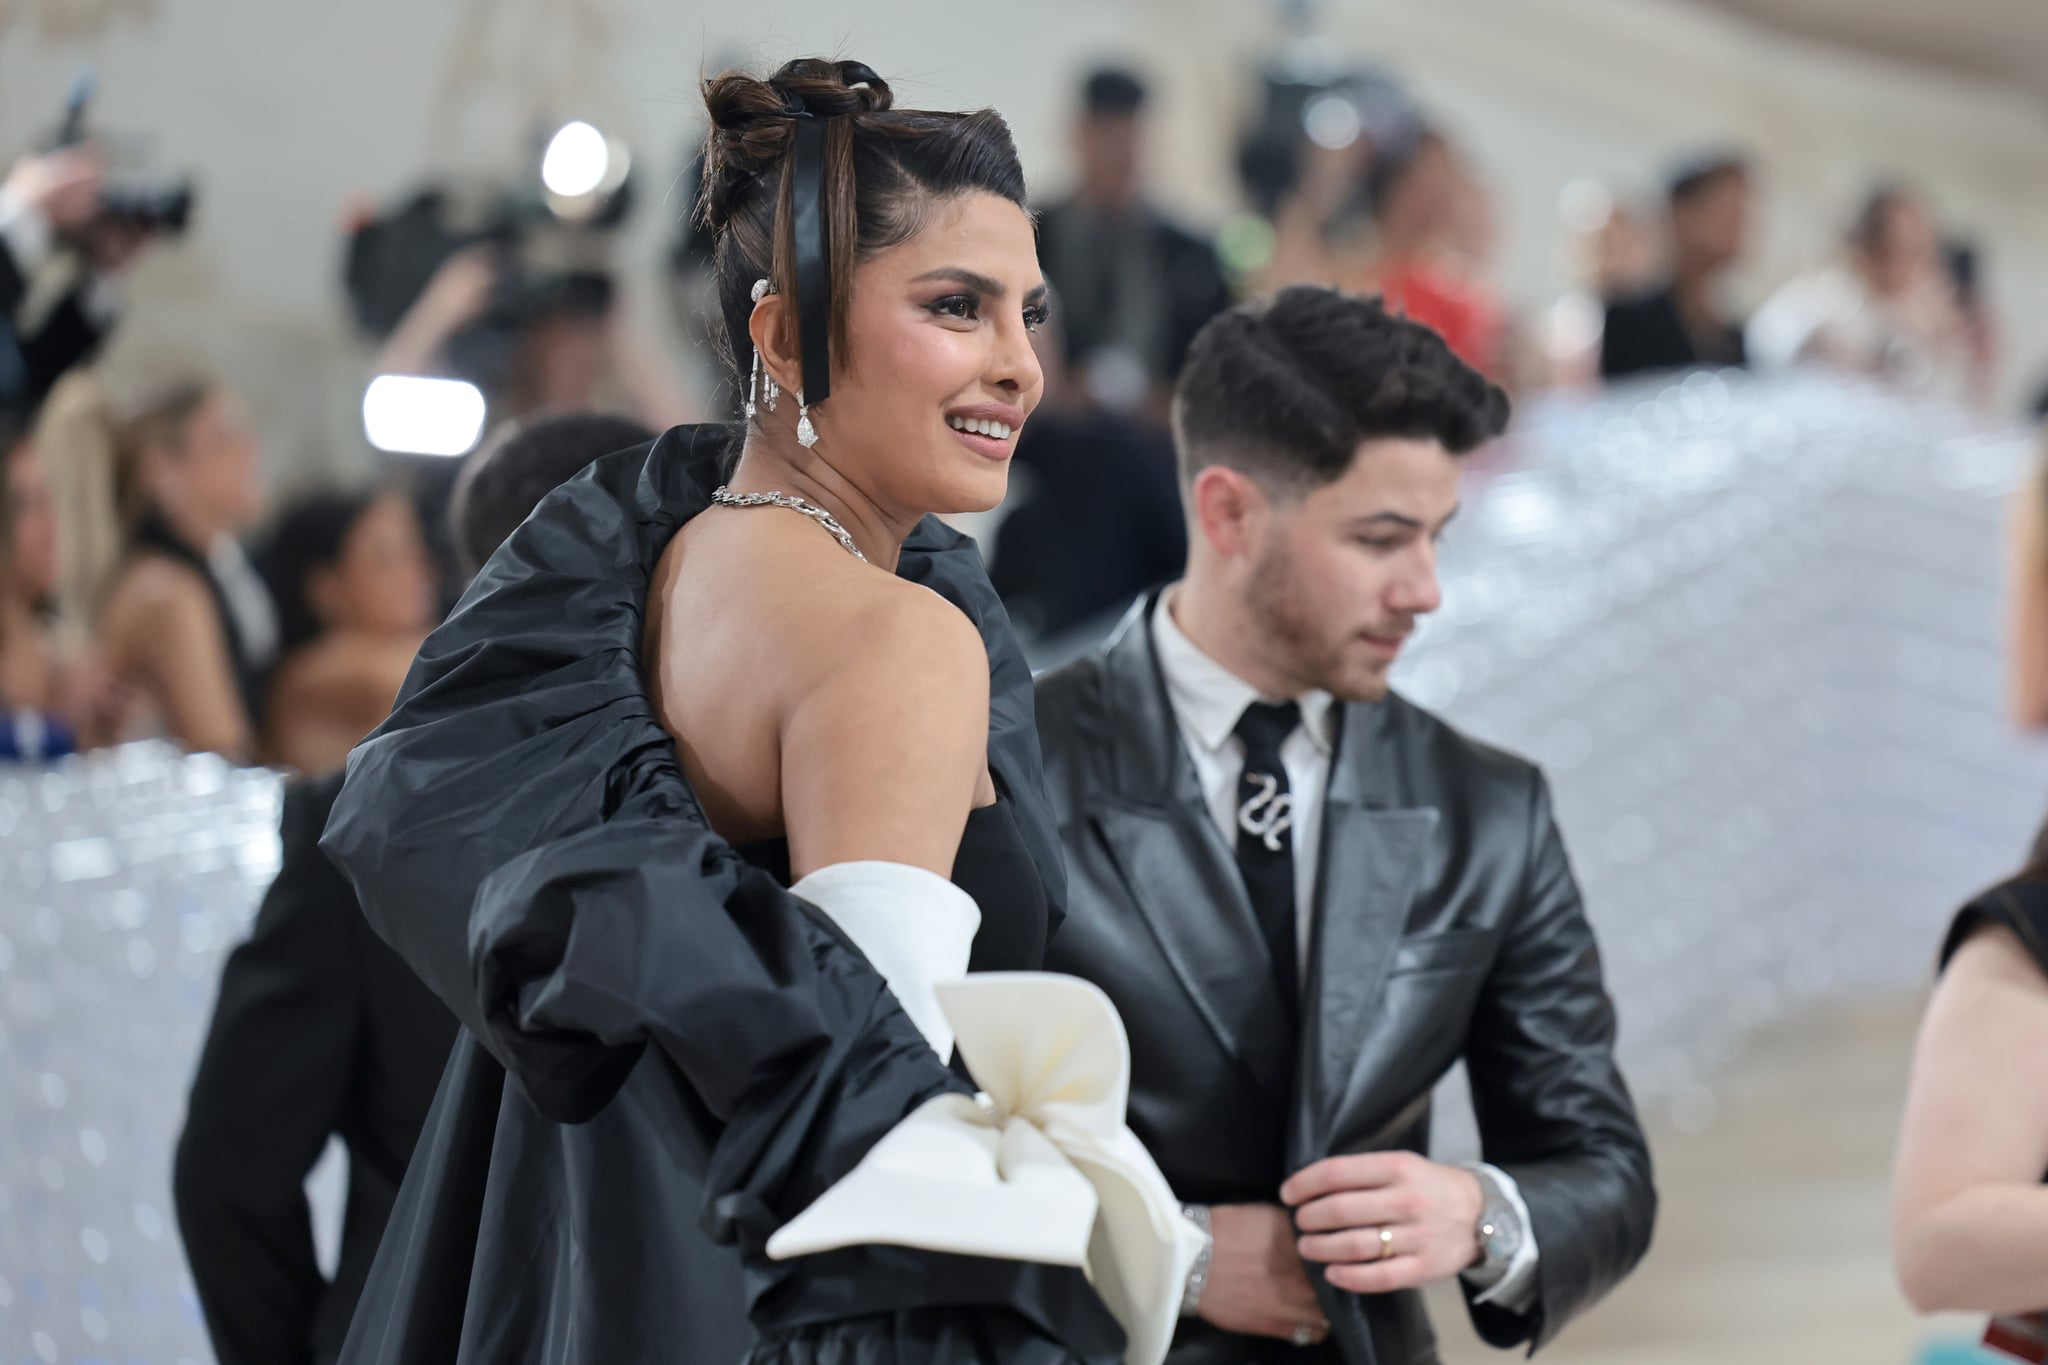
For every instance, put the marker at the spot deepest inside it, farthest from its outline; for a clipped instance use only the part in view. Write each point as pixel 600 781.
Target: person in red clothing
pixel 1421 198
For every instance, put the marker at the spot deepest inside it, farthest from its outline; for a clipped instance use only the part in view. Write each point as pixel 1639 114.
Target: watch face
pixel 1500 1233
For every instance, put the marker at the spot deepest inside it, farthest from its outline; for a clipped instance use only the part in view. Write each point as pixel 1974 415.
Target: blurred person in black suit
pixel 1094 516
pixel 1136 286
pixel 322 1030
pixel 1680 324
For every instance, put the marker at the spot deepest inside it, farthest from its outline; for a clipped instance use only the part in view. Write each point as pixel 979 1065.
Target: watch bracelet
pixel 1198 1273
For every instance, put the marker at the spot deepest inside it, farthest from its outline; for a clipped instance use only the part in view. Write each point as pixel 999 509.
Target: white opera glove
pixel 913 926
pixel 1039 1167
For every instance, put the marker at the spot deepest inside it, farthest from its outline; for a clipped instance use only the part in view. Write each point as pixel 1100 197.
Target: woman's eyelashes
pixel 967 308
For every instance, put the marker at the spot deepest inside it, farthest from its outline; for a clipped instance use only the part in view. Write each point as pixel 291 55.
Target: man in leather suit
pixel 1309 897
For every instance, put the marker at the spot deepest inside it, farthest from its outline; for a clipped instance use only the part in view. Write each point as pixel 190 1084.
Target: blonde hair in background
pixel 92 448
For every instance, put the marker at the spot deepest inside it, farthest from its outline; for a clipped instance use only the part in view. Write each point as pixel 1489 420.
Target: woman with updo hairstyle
pixel 712 804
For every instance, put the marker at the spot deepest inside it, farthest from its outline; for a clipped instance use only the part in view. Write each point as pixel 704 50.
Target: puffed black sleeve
pixel 520 832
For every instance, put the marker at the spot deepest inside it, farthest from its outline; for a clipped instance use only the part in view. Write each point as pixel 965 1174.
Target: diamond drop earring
pixel 806 434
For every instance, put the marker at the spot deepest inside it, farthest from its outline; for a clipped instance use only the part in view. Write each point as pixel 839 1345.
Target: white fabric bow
pixel 1039 1167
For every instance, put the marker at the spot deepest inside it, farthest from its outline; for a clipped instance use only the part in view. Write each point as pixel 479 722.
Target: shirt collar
pixel 1208 698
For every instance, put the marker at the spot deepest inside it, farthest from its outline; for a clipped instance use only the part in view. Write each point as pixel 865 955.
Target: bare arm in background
pixel 1969 1210
pixel 2027 606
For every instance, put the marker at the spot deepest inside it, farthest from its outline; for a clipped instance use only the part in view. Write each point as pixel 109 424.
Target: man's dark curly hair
pixel 1286 388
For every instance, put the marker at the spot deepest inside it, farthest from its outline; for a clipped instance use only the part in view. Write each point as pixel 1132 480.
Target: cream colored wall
pixel 289 109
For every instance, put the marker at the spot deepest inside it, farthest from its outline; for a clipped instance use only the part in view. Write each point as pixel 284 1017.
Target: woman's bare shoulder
pixel 153 594
pixel 878 623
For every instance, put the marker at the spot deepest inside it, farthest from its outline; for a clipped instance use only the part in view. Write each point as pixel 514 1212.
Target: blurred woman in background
pixel 1891 309
pixel 1433 224
pixel 1969 1207
pixel 354 589
pixel 155 490
pixel 52 701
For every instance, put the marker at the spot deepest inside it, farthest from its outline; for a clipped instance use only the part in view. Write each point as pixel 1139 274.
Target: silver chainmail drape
pixel 1751 630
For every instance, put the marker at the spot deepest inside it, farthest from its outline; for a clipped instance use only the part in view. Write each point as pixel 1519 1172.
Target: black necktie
pixel 1265 835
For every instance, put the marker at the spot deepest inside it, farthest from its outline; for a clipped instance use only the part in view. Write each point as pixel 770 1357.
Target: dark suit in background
pixel 320 1029
pixel 1131 280
pixel 68 335
pixel 1447 925
pixel 1647 333
pixel 1098 521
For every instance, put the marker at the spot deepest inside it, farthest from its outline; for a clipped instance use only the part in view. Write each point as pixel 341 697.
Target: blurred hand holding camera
pixel 63 185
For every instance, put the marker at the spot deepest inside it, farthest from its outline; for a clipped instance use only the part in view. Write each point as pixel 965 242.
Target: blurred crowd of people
pixel 150 587
pixel 128 606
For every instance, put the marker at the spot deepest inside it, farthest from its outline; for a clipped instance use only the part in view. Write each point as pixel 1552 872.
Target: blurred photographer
pixel 534 318
pixel 52 203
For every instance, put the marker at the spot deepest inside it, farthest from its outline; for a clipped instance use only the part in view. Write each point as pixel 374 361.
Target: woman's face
pixel 216 470
pixel 1423 202
pixel 31 533
pixel 383 582
pixel 926 407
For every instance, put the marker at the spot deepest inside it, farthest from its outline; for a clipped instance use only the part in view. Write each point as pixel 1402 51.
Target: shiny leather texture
pixel 1447 926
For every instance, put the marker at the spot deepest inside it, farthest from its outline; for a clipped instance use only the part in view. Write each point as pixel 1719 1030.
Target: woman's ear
pixel 772 328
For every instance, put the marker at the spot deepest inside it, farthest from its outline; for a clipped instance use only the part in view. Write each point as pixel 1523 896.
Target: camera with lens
pixel 154 208
pixel 549 243
pixel 165 210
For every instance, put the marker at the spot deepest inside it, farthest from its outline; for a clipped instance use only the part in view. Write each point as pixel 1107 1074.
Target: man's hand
pixel 64 185
pixel 1257 1283
pixel 1344 1204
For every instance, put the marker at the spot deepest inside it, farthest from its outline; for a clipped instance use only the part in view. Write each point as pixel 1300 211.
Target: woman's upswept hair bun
pixel 753 121
pixel 883 167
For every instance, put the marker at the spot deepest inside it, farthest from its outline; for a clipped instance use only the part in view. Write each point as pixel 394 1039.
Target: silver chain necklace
pixel 725 497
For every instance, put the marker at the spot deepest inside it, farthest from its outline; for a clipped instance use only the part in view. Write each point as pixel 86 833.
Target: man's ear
pixel 1229 509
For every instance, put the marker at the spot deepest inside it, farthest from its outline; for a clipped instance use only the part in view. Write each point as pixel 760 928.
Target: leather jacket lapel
pixel 1180 872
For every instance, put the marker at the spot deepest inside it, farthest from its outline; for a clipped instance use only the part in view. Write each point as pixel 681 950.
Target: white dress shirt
pixel 1207 700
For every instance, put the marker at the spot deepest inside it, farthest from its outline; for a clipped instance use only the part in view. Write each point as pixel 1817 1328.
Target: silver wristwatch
pixel 1500 1229
pixel 1198 1273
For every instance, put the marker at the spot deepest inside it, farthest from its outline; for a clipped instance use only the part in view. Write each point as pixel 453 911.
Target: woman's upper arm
pixel 1976 1111
pixel 2027 635
pixel 177 636
pixel 882 756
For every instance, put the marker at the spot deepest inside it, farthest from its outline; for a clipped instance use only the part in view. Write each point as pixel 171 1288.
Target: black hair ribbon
pixel 813 263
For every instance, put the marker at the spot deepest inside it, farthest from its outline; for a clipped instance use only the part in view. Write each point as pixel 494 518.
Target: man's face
pixel 1712 227
pixel 1340 576
pixel 1905 247
pixel 1107 148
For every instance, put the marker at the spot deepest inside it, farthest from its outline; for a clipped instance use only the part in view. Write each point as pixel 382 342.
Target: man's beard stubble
pixel 1295 641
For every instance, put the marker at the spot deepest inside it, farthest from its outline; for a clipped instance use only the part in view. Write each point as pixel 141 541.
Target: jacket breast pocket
pixel 1455 950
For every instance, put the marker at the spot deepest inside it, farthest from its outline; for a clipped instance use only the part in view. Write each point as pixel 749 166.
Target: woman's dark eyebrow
pixel 972 279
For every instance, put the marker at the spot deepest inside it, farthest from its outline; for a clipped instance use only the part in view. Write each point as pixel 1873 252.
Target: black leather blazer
pixel 1448 925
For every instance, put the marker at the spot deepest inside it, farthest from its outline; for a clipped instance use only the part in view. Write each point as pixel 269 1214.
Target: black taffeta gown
pixel 665 1056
